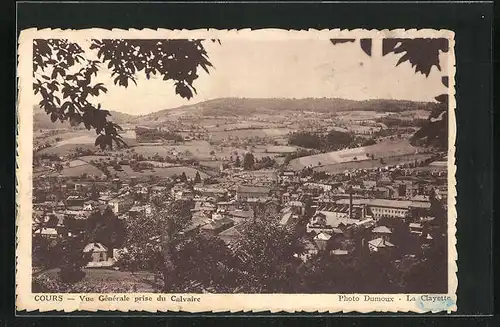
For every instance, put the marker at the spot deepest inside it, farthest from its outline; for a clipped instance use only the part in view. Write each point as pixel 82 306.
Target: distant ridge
pixel 41 120
pixel 250 106
pixel 243 107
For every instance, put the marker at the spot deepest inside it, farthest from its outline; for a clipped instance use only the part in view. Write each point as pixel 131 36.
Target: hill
pixel 250 106
pixel 42 121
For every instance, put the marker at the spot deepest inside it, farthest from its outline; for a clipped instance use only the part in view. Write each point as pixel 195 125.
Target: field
pixel 102 280
pixel 127 172
pixel 82 138
pixel 202 150
pixel 281 149
pixel 193 149
pixel 81 169
pixel 247 133
pixel 94 158
pixel 358 115
pixel 369 164
pixel 212 164
pixel 384 149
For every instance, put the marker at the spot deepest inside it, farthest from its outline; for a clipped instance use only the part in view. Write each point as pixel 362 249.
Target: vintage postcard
pixel 236 171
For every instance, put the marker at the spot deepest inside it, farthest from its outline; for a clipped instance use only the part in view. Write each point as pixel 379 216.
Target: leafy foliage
pixel 248 161
pixel 204 263
pixel 434 131
pixel 421 53
pixel 268 251
pixel 152 238
pixel 63 76
pixel 72 258
pixel 104 227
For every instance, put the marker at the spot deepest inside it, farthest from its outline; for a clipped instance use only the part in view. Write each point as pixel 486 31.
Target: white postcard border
pixel 322 303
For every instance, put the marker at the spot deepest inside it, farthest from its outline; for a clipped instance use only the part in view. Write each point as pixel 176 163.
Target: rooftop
pixel 254 189
pixel 400 204
pixel 380 243
pixel 382 230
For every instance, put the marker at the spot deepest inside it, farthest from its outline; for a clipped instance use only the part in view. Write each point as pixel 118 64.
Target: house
pixel 382 232
pixel 226 206
pixel 326 221
pixel 214 227
pixel 120 205
pixel 321 240
pixel 240 215
pixel 285 197
pixel 181 191
pixel 75 201
pixel 310 249
pixel 369 184
pixel 339 252
pixel 215 192
pixel 245 192
pixel 76 214
pixel 416 228
pixel 98 256
pixel 297 207
pixel 90 205
pixel 47 232
pixel 138 210
pixel 158 190
pixel 379 244
pixel 230 235
pixel 318 186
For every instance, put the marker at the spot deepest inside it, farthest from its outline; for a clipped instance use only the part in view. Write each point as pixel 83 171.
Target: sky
pixel 282 69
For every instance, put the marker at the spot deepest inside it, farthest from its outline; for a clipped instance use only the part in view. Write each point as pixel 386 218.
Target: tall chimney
pixel 350 204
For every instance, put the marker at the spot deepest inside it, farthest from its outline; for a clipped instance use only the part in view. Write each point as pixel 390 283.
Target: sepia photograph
pixel 238 162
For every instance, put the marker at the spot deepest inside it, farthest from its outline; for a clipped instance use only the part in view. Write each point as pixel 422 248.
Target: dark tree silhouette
pixel 105 227
pixel 63 76
pixel 248 161
pixel 197 177
pixel 422 54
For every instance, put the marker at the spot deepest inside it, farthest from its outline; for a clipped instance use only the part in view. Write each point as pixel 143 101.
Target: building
pixel 75 201
pixel 382 232
pixel 215 192
pixel 120 205
pixel 379 245
pixel 230 235
pixel 159 190
pixel 416 228
pixel 226 206
pixel 98 256
pixel 321 240
pixel 390 208
pixel 327 221
pixel 215 226
pixel 244 193
pixel 47 232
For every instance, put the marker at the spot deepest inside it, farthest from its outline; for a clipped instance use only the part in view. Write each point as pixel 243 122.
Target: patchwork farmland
pixel 368 154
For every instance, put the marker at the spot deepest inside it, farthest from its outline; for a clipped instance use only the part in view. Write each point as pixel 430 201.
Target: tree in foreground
pixel 423 55
pixel 72 259
pixel 203 263
pixel 152 238
pixel 105 228
pixel 63 76
pixel 269 254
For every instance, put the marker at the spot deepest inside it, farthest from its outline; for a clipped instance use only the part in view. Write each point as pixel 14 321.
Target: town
pixel 350 199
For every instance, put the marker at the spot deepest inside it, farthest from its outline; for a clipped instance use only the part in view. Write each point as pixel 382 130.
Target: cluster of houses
pixel 330 212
